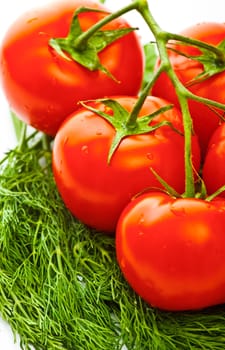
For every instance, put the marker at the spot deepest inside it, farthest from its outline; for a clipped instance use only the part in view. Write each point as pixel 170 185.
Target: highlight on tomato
pixel 213 172
pixel 98 171
pixel 188 68
pixel 45 68
pixel 171 250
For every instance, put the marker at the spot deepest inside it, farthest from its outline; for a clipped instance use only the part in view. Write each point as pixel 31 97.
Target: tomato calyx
pixel 212 58
pixel 126 123
pixel 215 194
pixel 169 190
pixel 83 46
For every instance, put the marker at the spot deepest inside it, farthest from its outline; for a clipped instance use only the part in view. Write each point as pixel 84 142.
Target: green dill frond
pixel 60 284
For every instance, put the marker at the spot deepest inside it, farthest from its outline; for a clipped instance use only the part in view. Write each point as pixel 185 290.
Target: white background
pixel 171 15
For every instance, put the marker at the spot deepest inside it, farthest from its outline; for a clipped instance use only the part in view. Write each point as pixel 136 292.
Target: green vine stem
pixel 145 92
pixel 81 41
pixel 161 40
pixel 183 93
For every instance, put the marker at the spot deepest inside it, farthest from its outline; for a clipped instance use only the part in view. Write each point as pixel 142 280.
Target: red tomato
pixel 171 251
pixel 214 164
pixel 205 120
pixel 43 87
pixel 96 191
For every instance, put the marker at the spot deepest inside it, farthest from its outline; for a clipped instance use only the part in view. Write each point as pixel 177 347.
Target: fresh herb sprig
pixel 60 284
pixel 49 262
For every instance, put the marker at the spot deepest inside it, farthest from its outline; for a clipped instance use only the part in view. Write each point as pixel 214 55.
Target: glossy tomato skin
pixel 214 164
pixel 205 121
pixel 96 191
pixel 43 87
pixel 171 251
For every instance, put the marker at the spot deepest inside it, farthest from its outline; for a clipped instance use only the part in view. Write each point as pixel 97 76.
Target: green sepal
pixel 215 194
pixel 85 52
pixel 121 122
pixel 213 63
pixel 168 189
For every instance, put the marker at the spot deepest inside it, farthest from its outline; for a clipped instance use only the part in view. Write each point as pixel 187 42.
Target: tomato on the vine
pixel 96 190
pixel 43 86
pixel 213 172
pixel 171 251
pixel 205 118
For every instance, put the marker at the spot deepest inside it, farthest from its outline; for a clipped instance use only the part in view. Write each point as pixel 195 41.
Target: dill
pixel 60 284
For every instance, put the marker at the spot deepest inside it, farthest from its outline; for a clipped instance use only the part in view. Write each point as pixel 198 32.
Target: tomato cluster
pixel 124 175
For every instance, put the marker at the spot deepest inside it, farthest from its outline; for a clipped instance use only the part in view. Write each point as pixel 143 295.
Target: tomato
pixel 42 86
pixel 96 191
pixel 214 165
pixel 205 120
pixel 171 251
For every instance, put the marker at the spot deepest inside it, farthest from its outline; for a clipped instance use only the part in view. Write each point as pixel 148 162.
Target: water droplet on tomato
pixel 140 233
pixel 178 211
pixel 66 139
pixel 150 156
pixel 50 108
pixel 221 209
pixel 84 149
pixel 141 220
